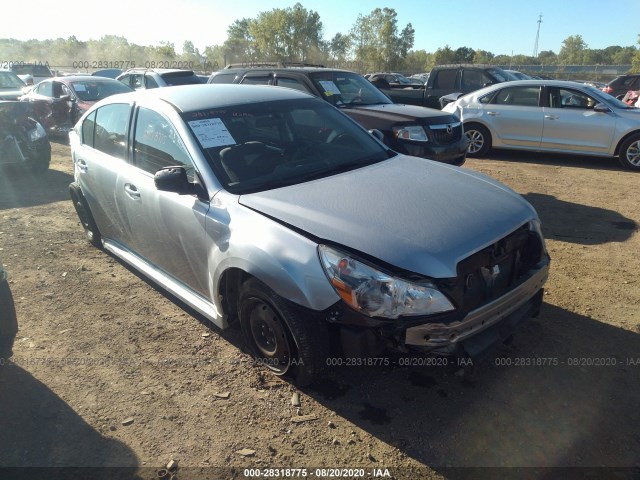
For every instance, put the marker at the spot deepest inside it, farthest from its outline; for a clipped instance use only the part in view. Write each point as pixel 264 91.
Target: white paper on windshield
pixel 79 87
pixel 211 133
pixel 330 88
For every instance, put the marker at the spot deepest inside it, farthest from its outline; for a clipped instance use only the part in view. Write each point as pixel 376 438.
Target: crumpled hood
pixel 412 213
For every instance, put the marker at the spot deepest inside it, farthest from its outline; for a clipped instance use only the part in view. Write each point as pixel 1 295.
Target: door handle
pixel 131 191
pixel 82 165
pixel 551 117
pixel 493 114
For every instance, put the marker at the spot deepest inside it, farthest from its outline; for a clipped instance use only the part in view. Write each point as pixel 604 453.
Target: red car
pixel 59 102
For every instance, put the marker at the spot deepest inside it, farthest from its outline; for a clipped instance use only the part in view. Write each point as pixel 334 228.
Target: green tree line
pixel 375 42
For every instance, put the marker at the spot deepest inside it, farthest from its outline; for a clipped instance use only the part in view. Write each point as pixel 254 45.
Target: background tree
pixel 572 50
pixel 482 56
pixel 376 40
pixel 635 61
pixel 339 46
pixel 464 55
pixel 444 56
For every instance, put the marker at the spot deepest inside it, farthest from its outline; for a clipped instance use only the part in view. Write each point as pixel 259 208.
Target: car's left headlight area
pixel 414 133
pixel 375 293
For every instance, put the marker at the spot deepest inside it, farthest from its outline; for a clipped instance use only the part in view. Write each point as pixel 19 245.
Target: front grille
pixel 494 270
pixel 446 134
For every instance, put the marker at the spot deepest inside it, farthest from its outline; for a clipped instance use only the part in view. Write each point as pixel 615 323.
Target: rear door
pixel 101 167
pixel 571 124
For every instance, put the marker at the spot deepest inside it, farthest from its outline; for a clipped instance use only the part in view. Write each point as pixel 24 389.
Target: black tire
pixel 40 163
pixel 289 344
pixel 8 321
pixel 86 218
pixel 479 139
pixel 629 155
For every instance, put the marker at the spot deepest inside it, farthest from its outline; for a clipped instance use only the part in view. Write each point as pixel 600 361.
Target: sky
pixel 499 26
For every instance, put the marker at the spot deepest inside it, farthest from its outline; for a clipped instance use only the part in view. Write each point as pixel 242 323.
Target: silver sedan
pixel 272 209
pixel 550 116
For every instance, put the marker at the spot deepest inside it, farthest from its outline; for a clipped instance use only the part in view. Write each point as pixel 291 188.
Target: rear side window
pixel 445 79
pixel 518 96
pixel 110 135
pixel 473 79
pixel 186 77
pixel 253 80
pixel 292 83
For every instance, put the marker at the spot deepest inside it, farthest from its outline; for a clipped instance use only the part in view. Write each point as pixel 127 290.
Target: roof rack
pixel 273 65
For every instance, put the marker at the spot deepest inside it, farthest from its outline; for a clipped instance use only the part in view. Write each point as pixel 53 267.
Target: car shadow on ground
pixel 596 225
pixel 20 188
pixel 40 430
pixel 558 159
pixel 547 400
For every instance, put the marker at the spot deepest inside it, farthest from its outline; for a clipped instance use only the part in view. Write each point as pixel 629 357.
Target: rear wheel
pixel 288 344
pixel 479 139
pixel 630 153
pixel 86 218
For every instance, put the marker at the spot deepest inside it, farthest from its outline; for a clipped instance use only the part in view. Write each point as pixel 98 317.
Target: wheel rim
pixel 633 154
pixel 476 141
pixel 269 337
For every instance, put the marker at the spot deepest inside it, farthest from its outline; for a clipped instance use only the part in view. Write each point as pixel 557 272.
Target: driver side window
pixel 157 144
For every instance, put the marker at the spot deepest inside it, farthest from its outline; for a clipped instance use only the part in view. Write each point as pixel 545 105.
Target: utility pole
pixel 535 46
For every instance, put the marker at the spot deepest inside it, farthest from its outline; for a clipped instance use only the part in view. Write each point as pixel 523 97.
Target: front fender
pixel 280 257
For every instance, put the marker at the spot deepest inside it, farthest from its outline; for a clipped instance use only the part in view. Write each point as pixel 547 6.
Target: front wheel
pixel 630 153
pixel 479 139
pixel 288 344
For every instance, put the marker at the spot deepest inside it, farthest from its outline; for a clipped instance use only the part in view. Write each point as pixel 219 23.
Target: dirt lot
pixel 110 371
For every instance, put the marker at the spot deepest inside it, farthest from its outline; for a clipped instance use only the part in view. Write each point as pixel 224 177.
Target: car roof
pixel 188 98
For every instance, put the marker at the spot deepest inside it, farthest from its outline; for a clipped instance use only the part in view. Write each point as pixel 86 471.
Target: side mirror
pixel 601 108
pixel 377 134
pixel 173 179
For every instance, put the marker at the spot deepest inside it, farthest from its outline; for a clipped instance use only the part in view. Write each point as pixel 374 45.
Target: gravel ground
pixel 110 371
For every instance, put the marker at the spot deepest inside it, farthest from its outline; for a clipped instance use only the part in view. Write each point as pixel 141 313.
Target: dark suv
pixel 412 130
pixel 621 85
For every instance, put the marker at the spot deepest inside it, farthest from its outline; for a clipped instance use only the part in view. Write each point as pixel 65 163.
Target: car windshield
pixel 92 91
pixel 9 80
pixel 262 146
pixel 345 89
pixel 180 78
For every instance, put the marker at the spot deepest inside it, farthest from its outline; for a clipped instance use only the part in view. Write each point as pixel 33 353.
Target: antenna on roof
pixel 535 46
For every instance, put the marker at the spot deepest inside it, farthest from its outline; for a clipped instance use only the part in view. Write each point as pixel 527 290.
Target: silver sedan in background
pixel 550 116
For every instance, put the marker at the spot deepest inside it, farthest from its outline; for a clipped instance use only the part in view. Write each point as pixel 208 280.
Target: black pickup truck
pixel 445 80
pixel 408 129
